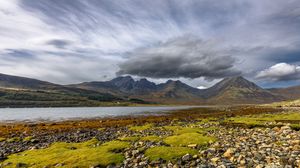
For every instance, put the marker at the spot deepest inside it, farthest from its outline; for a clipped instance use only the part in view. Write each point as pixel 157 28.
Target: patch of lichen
pixel 263 119
pixel 141 127
pixel 177 130
pixel 151 138
pixel 188 139
pixel 86 154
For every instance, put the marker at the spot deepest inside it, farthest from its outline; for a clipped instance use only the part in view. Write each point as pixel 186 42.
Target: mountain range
pixel 233 90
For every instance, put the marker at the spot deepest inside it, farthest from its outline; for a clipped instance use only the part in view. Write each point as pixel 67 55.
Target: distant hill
pixel 174 92
pixel 233 90
pixel 289 92
pixel 239 90
pixel 24 83
pixel 229 90
pixel 19 91
pixel 119 86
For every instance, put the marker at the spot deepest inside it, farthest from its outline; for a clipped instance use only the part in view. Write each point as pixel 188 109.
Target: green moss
pixel 182 130
pixel 101 129
pixel 2 139
pixel 295 126
pixel 207 120
pixel 130 139
pixel 29 138
pixel 84 154
pixel 151 138
pixel 261 120
pixel 210 129
pixel 141 128
pixel 168 153
pixel 15 139
pixel 187 139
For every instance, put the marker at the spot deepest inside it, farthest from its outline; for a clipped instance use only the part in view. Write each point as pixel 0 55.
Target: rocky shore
pixel 235 146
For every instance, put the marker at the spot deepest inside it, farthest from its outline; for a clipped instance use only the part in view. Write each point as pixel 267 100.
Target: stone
pixel 186 157
pixel 192 145
pixel 229 152
pixel 295 142
pixel 215 159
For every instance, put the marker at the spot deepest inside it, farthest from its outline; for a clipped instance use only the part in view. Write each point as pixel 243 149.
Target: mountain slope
pixel 234 90
pixel 171 91
pixel 174 92
pixel 239 90
pixel 20 91
pixel 289 92
pixel 229 90
pixel 120 86
pixel 23 83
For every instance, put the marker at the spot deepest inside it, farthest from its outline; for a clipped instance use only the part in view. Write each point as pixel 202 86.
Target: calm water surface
pixel 69 113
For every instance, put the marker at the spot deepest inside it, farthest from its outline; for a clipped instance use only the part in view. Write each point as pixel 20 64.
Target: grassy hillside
pixel 39 98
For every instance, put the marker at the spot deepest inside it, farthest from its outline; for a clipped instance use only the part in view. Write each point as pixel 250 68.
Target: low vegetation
pixel 187 139
pixel 264 120
pixel 151 138
pixel 89 153
pixel 177 130
pixel 141 128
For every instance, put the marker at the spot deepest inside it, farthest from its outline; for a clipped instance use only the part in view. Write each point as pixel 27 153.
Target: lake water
pixel 69 113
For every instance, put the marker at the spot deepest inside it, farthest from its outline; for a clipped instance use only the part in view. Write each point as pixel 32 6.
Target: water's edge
pixel 11 115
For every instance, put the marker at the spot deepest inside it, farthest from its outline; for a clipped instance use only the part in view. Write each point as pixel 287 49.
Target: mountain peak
pixel 122 78
pixel 123 82
pixel 174 81
pixel 239 82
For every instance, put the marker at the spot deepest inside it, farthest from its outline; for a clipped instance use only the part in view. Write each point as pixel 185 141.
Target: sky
pixel 196 41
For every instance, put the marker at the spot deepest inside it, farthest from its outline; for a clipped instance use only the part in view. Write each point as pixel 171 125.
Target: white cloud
pixel 279 72
pixel 201 87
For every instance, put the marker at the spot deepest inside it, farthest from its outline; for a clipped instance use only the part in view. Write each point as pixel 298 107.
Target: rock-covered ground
pixel 220 145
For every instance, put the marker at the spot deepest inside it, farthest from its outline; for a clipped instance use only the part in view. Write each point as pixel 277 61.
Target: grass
pixel 14 139
pixel 2 139
pixel 141 128
pixel 188 138
pixel 29 138
pixel 177 130
pixel 168 153
pixel 151 138
pixel 130 139
pixel 85 154
pixel 261 120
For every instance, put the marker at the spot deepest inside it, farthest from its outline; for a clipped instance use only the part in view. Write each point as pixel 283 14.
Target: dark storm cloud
pixel 59 43
pixel 19 53
pixel 252 35
pixel 185 56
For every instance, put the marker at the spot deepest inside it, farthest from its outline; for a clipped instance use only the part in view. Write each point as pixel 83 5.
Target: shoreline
pixel 26 128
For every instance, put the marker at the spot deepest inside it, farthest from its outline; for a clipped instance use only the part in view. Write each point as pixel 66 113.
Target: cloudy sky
pixel 196 41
